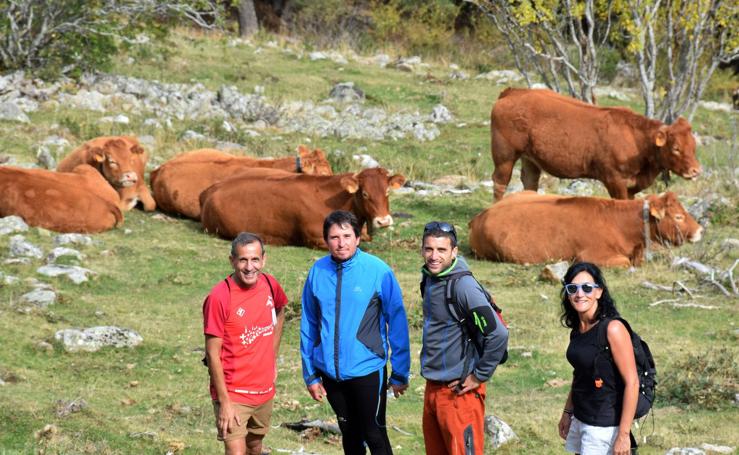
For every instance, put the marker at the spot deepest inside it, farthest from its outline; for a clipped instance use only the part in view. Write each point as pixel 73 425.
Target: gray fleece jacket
pixel 442 358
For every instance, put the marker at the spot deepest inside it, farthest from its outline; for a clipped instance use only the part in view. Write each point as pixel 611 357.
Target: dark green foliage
pixel 707 380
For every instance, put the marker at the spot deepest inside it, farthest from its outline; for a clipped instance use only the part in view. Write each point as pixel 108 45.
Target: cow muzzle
pixel 692 173
pixel 128 179
pixel 382 222
pixel 696 236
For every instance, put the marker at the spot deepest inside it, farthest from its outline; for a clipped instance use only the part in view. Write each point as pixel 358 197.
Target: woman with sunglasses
pixel 599 411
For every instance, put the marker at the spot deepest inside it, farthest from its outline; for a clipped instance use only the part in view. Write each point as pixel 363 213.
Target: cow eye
pixel 680 218
pixel 365 194
pixel 112 163
pixel 676 150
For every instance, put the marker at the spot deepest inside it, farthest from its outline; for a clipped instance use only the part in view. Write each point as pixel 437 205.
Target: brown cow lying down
pixel 177 184
pixel 121 160
pixel 528 228
pixel 288 209
pixel 77 201
pixel 571 139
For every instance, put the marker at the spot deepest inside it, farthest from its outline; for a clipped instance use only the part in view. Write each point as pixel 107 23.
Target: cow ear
pixel 96 153
pixel 303 151
pixel 660 138
pixel 137 149
pixel 396 181
pixel 350 183
pixel 657 211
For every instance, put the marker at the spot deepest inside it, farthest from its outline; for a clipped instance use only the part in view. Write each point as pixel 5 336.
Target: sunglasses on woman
pixel 587 288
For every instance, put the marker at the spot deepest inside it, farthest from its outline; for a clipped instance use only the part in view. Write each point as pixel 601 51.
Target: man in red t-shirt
pixel 243 317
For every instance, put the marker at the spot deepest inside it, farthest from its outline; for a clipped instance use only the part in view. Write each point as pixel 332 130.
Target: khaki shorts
pixel 254 420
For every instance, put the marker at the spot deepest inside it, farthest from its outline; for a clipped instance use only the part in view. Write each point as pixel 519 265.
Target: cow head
pixel 371 188
pixel 314 162
pixel 117 159
pixel 676 146
pixel 669 222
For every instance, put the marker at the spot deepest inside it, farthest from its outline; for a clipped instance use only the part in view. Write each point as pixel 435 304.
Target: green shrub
pixel 707 380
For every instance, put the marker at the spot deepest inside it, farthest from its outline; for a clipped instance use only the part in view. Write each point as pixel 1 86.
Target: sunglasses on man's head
pixel 587 288
pixel 440 226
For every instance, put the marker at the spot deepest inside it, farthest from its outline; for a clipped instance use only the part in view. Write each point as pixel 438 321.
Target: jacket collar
pixel 349 262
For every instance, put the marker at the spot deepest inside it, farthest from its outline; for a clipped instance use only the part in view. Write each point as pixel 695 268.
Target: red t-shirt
pixel 245 320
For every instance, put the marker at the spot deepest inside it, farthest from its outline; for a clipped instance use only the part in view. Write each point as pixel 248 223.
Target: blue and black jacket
pixel 352 313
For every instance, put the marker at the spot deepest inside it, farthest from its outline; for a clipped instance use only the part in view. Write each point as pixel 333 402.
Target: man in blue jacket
pixel 352 313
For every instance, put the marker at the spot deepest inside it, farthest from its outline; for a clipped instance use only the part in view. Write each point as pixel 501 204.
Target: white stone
pixel 12 224
pixel 76 274
pixel 40 297
pixel 712 448
pixel 95 338
pixel 61 251
pixel 19 247
pixel 366 161
pixel 77 239
pixel 500 431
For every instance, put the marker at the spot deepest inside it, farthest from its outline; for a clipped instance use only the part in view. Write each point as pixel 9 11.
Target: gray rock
pixel 381 60
pixel 714 106
pixel 17 261
pixel 440 114
pixel 40 298
pixel 76 239
pixel 44 158
pixel 346 92
pixel 366 161
pixel 120 118
pixel 191 135
pixel 19 247
pixel 76 274
pixel 84 99
pixel 8 280
pixel 713 448
pixel 313 56
pixel 610 92
pixel 95 338
pixel 11 112
pixel 60 252
pixel 685 451
pixel 66 407
pixel 12 224
pixel 459 75
pixel 500 432
pixel 501 77
pixel 555 273
pixel 579 188
pixel 44 346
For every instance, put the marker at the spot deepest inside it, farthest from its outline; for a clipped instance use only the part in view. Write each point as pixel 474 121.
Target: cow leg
pixel 530 173
pixel 596 257
pixel 617 189
pixel 501 178
pixel 146 199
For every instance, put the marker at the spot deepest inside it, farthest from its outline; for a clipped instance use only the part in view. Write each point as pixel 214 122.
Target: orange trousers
pixel 453 424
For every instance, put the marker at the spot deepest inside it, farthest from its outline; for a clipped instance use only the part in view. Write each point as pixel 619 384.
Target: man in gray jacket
pixel 457 357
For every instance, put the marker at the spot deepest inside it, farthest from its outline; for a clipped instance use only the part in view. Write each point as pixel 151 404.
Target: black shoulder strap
pixel 603 330
pixel 269 283
pixel 450 295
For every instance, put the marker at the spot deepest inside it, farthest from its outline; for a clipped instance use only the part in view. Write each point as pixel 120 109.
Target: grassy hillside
pixel 154 274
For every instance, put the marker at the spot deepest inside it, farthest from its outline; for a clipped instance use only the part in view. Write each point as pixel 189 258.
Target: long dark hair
pixel 606 305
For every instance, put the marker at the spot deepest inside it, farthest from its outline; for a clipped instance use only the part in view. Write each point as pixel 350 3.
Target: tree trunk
pixel 248 24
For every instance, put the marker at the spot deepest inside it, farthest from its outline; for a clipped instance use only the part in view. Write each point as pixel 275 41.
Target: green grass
pixel 154 279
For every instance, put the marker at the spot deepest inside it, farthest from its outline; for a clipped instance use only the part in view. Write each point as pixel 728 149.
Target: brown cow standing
pixel 571 139
pixel 289 209
pixel 528 228
pixel 177 184
pixel 121 160
pixel 77 201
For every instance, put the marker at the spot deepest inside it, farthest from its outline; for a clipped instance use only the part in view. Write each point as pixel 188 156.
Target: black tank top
pixel 597 406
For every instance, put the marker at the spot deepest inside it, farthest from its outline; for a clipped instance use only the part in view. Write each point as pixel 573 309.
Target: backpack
pixel 466 323
pixel 645 367
pixel 225 280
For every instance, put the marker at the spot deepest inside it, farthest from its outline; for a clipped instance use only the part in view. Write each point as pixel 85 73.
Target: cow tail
pixel 118 215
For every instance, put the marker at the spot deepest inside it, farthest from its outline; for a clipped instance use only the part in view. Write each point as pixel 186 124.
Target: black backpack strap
pixel 269 283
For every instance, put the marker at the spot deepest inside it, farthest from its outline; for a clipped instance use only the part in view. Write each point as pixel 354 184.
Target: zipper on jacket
pixel 339 270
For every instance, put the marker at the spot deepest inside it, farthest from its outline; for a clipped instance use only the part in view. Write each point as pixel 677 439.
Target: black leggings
pixel 359 404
